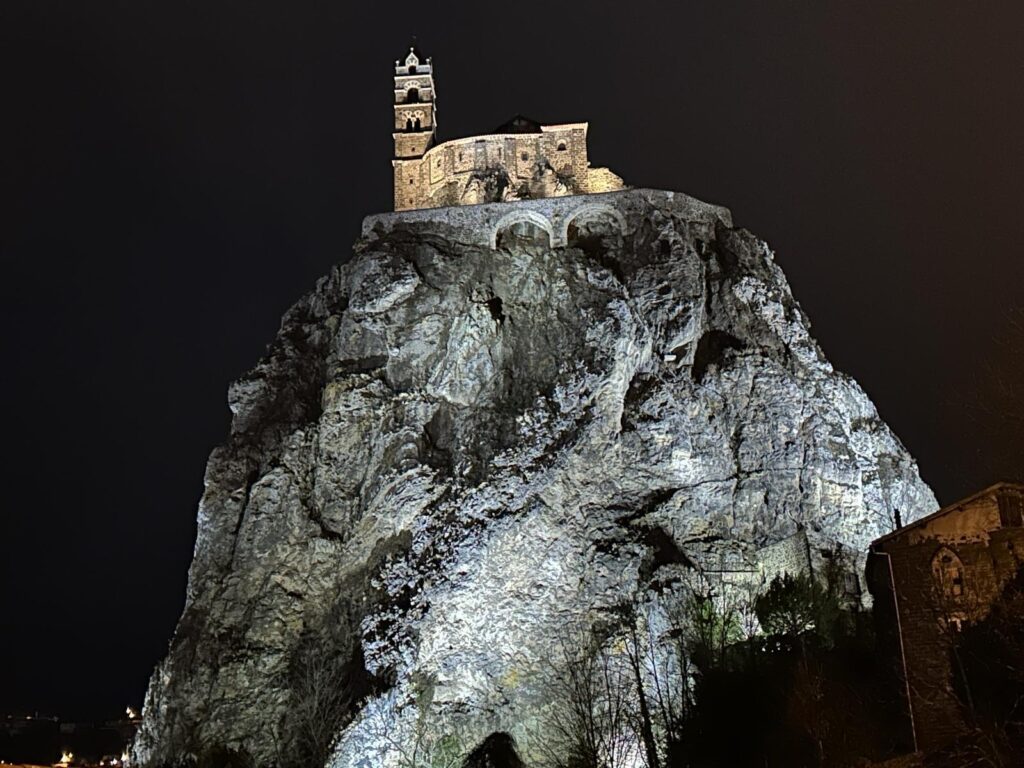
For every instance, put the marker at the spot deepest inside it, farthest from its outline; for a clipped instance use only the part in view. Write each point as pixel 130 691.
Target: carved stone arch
pixel 589 212
pixel 520 217
pixel 948 572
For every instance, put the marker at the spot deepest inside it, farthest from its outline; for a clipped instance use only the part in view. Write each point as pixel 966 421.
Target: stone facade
pixel 520 160
pixel 933 576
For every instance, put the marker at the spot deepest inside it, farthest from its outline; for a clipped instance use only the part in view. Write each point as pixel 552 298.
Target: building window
pixel 851 584
pixel 1011 509
pixel 525 156
pixel 948 571
pixel 561 146
pixel 957 582
pixel 412 95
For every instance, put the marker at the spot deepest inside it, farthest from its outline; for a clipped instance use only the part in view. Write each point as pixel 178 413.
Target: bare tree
pixel 594 698
pixel 639 652
pixel 430 744
pixel 709 618
pixel 322 700
pixel 661 663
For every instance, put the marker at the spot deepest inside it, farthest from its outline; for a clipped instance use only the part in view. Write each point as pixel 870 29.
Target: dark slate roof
pixel 947 509
pixel 518 124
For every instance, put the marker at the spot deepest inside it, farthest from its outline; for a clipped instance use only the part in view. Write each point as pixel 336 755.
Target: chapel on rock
pixel 520 160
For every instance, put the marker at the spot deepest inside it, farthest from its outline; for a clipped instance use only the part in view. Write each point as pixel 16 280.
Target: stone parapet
pixel 480 224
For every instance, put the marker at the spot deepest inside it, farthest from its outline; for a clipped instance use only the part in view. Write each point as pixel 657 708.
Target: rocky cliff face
pixel 490 424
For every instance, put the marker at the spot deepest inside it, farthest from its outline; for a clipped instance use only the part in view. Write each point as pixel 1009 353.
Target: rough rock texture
pixel 452 452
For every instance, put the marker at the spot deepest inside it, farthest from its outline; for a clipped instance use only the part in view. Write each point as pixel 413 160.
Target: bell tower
pixel 414 126
pixel 414 106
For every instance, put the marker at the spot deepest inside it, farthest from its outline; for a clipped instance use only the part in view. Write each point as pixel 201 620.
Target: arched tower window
pixel 416 124
pixel 412 95
pixel 409 124
pixel 412 69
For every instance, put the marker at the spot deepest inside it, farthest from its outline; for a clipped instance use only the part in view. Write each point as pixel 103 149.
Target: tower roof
pixel 413 57
pixel 519 124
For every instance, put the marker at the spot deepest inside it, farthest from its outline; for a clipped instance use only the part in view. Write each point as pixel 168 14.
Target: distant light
pixel 65 758
pixel 132 714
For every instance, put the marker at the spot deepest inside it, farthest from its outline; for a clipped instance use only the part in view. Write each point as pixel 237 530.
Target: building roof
pixel 948 509
pixel 518 124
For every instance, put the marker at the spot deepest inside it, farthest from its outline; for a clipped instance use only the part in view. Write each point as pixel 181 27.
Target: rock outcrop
pixel 492 423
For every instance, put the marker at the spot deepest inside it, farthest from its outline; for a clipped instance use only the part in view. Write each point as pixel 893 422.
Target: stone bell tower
pixel 414 127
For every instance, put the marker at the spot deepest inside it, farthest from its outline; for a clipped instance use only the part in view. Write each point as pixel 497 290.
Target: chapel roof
pixel 519 124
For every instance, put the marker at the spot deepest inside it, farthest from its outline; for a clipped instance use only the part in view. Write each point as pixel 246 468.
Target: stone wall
pixel 789 556
pixel 498 167
pixel 482 224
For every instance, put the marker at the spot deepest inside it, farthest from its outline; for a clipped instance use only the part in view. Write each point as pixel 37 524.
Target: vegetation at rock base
pixel 326 680
pixel 809 690
pixel 783 676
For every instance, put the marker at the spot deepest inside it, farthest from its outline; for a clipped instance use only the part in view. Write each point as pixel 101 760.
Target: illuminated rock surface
pixel 458 451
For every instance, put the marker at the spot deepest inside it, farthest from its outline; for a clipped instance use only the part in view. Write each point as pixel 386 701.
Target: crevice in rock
pixel 495 306
pixel 649 504
pixel 709 538
pixel 662 551
pixel 361 365
pixel 496 751
pixel 711 350
pixel 639 388
pixel 438 434
pixel 250 480
pixel 420 273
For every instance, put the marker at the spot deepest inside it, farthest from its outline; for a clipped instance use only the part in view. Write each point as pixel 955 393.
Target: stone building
pixel 931 577
pixel 521 159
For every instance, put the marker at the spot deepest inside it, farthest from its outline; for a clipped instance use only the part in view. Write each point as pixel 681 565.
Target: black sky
pixel 176 174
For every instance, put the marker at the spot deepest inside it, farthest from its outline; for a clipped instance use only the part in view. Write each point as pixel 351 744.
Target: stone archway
pixel 514 221
pixel 591 212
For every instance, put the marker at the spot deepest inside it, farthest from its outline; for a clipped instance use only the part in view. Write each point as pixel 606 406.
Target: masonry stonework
pixel 520 160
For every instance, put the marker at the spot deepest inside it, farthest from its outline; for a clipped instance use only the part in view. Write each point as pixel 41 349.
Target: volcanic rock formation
pixel 491 424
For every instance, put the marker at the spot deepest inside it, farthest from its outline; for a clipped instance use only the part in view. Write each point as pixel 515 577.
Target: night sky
pixel 176 174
